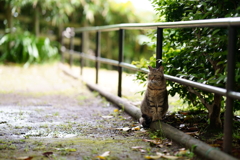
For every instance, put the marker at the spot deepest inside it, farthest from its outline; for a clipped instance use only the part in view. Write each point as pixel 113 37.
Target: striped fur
pixel 155 103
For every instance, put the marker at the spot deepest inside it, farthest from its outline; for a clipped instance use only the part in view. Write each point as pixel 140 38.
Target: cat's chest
pixel 155 97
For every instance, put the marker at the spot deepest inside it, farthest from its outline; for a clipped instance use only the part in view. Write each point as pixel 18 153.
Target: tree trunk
pixel 9 23
pixel 60 29
pixel 36 21
pixel 9 17
pixel 214 113
pixel 214 109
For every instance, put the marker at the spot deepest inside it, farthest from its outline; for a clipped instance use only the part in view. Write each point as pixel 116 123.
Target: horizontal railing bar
pixel 205 87
pixel 129 66
pixel 220 22
pixel 108 61
pixel 235 95
pixel 100 59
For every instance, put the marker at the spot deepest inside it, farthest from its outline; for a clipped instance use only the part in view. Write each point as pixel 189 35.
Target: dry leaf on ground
pixel 24 158
pixel 124 129
pixel 107 117
pixel 137 128
pixel 160 155
pixel 139 148
pixel 154 141
pixel 104 155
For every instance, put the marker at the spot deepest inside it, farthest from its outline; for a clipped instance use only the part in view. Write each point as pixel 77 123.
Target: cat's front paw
pixel 145 121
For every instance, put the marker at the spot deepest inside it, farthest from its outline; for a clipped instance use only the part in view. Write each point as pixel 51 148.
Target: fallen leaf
pixel 142 150
pixel 192 129
pixel 160 146
pixel 137 128
pixel 181 152
pixel 47 154
pixel 143 130
pixel 66 149
pixel 104 155
pixel 124 129
pixel 152 157
pixel 24 158
pixel 165 151
pixel 166 156
pixel 181 126
pixel 170 157
pixel 169 143
pixel 215 145
pixel 155 141
pixel 107 117
pixel 134 125
pixel 159 155
pixel 192 133
pixel 137 147
pixel 115 110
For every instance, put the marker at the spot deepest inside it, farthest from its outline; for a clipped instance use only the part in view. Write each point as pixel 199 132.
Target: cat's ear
pixel 150 68
pixel 161 68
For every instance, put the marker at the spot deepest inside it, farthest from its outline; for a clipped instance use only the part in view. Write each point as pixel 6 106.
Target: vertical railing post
pixel 228 116
pixel 97 53
pixel 120 59
pixel 71 46
pixel 81 52
pixel 159 47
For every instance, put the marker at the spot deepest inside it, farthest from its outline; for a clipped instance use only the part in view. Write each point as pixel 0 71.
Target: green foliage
pixel 25 48
pixel 143 63
pixel 54 15
pixel 55 11
pixel 197 54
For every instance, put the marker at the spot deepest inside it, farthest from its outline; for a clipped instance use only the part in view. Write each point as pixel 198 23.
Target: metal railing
pixel 229 93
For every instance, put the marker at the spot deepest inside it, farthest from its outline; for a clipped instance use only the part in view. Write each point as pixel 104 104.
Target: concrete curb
pixel 200 148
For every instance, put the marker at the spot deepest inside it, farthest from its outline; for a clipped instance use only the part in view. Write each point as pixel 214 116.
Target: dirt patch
pixel 44 113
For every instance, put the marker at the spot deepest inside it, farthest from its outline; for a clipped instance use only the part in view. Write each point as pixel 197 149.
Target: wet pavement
pixel 44 114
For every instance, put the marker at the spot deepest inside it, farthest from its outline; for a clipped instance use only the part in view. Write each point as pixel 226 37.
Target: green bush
pixel 197 54
pixel 25 48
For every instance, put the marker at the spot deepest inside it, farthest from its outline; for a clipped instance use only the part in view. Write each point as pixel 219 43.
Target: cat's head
pixel 156 73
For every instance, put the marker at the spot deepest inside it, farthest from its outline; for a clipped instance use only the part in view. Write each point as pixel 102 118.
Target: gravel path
pixel 45 114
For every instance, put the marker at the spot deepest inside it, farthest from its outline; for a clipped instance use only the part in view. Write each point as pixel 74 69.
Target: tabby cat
pixel 155 103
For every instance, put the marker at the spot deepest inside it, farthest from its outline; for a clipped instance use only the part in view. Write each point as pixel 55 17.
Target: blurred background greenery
pixel 31 30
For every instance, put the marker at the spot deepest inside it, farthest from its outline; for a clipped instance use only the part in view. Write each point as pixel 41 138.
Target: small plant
pixel 156 134
pixel 18 127
pixel 26 149
pixel 185 153
pixel 38 143
pixel 56 114
pixel 25 48
pixel 12 147
pixel 29 127
pixel 44 126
